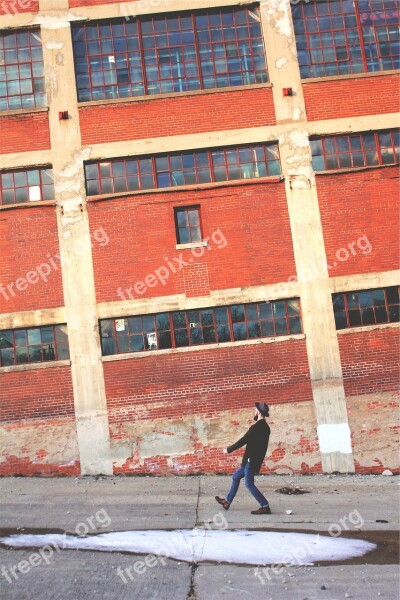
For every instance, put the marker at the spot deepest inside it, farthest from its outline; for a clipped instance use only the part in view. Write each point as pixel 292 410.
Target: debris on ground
pixel 292 491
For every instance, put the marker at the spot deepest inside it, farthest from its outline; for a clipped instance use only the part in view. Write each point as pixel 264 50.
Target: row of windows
pixel 188 168
pixel 165 54
pixel 193 51
pixel 352 151
pixel 368 307
pixel 31 185
pixel 184 328
pixel 22 82
pixel 338 37
pixel 196 327
pixel 36 344
pixel 247 162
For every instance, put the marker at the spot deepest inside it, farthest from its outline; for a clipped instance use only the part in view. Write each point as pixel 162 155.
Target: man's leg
pixel 249 482
pixel 236 478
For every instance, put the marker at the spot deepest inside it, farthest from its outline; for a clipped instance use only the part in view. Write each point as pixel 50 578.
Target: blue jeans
pixel 248 474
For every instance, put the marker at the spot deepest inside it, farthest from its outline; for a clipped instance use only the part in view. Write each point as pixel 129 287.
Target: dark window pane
pixel 251 312
pixel 181 338
pixel 162 321
pixel 265 309
pixel 254 329
pixel 352 300
pixel 223 333
pixel 237 313
pixel 340 320
pixel 239 331
pixel 279 309
pixel 378 297
pixel 61 333
pixel 267 328
pixel 354 318
pixel 394 315
pixel 123 343
pixel 63 352
pixel 196 336
pixel 179 319
pixel 221 316
pixel 7 357
pixel 209 335
pixel 295 325
pixel 207 317
pixel 20 337
pixel 135 325
pixel 281 327
pixel 164 340
pixel 21 356
pixel 367 316
pixel 137 343
pixel 381 315
pixel 392 295
pixel 33 336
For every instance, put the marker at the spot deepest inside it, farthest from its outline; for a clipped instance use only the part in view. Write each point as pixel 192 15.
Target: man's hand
pixel 225 451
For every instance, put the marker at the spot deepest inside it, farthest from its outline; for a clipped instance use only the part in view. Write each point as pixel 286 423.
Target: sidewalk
pixel 336 505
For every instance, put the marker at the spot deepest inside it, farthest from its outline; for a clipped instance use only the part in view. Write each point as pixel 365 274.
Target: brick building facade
pixel 199 210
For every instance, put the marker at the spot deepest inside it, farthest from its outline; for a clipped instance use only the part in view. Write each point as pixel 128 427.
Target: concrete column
pixel 75 246
pixel 311 265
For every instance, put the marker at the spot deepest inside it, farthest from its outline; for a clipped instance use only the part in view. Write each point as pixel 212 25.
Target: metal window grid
pixel 366 307
pixel 22 82
pixel 337 37
pixel 197 327
pixel 168 54
pixel 158 172
pixel 34 344
pixel 356 150
pixel 24 186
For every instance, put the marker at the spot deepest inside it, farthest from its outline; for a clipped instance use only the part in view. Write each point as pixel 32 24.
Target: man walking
pixel 256 440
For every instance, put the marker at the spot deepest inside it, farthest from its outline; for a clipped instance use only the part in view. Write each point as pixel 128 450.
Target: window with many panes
pixel 169 53
pixel 184 328
pixel 186 168
pixel 21 70
pixel 187 224
pixel 336 37
pixel 366 307
pixel 358 150
pixel 31 185
pixel 34 344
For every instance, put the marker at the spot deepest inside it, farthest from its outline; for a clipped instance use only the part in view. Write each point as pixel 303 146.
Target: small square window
pixel 188 225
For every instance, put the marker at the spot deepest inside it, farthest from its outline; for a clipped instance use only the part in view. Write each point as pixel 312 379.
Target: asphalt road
pixel 350 506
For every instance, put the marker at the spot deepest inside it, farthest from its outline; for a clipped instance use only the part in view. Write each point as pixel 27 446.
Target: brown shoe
pixel 263 510
pixel 223 502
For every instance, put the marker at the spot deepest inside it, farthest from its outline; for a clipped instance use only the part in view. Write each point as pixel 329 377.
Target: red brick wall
pixel 11 8
pixel 24 132
pixel 342 98
pixel 36 394
pixel 207 384
pixel 203 382
pixel 177 116
pixel 370 361
pixel 253 219
pixel 358 204
pixel 28 240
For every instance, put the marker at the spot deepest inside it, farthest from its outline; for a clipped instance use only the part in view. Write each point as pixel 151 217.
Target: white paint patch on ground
pixel 199 545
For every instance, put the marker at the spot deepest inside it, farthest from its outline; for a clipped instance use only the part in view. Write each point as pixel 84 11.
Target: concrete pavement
pixel 361 506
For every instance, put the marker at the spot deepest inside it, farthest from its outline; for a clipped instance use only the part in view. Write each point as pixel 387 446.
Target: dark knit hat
pixel 263 408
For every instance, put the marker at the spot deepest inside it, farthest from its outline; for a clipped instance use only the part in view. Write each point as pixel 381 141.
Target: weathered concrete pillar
pixel 312 271
pixel 75 245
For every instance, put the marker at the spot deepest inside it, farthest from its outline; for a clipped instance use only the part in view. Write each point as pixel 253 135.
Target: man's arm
pixel 242 442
